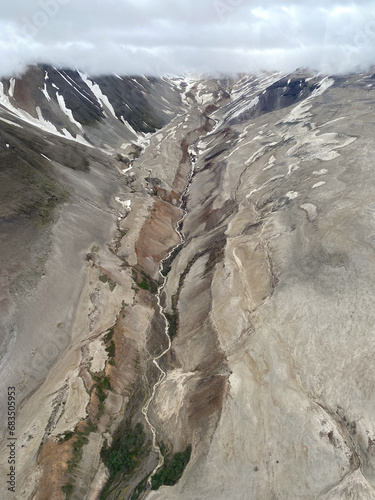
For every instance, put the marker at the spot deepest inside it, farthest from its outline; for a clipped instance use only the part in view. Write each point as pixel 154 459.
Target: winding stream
pixel 163 374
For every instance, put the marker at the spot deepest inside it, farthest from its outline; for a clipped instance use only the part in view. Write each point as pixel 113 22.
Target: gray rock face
pixel 104 112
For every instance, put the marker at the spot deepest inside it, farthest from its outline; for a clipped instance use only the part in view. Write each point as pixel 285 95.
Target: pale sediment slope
pixel 269 377
pixel 290 304
pixel 54 314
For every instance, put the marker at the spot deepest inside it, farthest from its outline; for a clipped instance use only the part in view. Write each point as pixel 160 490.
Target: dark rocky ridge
pixel 145 103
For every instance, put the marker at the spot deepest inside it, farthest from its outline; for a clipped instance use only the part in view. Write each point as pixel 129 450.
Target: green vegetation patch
pixel 167 264
pixel 102 385
pixel 147 283
pixel 54 197
pixel 81 439
pixel 134 275
pixel 217 253
pixel 78 445
pixel 125 453
pixel 106 279
pixel 68 490
pixel 65 437
pixel 47 196
pixel 111 350
pixel 173 320
pixel 141 486
pixel 144 281
pixel 136 151
pixel 110 345
pixel 29 186
pixel 109 335
pixel 144 285
pixel 172 470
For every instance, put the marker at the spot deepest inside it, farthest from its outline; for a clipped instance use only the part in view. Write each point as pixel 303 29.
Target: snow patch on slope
pixel 12 86
pixel 300 112
pixel 45 92
pixel 75 87
pixel 126 204
pixel 39 122
pixel 241 110
pixel 96 90
pixel 65 110
pixel 248 89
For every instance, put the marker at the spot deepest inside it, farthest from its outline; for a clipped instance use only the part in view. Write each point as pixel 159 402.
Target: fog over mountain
pixel 148 37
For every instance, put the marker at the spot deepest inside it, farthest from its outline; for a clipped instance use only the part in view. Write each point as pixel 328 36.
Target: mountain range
pixel 186 285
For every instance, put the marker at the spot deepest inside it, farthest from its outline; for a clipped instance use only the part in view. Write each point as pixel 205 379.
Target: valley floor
pixel 267 387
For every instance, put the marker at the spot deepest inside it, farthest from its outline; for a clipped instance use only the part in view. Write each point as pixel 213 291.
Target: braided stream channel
pixel 155 360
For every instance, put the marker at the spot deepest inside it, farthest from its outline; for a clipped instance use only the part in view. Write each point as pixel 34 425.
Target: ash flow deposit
pixel 187 283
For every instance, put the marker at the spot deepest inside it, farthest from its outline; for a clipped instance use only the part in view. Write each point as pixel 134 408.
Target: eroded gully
pixel 155 360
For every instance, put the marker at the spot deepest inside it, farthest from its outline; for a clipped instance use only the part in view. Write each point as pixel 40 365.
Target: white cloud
pixel 174 36
pixel 259 12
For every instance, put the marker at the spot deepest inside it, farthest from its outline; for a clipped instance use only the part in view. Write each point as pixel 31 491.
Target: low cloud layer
pixel 183 36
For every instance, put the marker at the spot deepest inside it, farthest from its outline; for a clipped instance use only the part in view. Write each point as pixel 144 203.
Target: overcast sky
pixel 180 36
